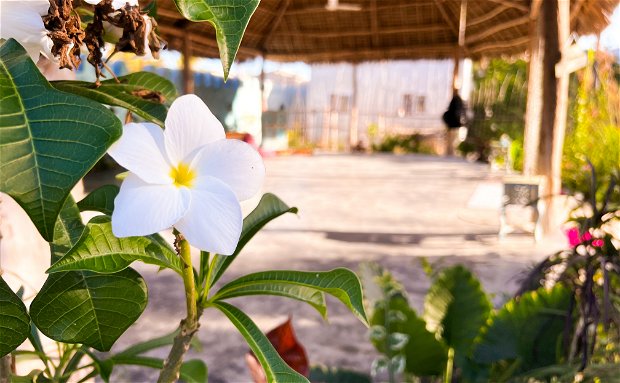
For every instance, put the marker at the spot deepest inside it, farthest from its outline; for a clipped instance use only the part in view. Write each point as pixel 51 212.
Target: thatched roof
pixel 304 30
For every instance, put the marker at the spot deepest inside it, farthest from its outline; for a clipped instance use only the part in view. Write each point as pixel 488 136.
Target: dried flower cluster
pixel 65 31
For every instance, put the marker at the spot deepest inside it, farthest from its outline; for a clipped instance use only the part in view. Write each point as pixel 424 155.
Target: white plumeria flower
pixel 116 4
pixel 21 20
pixel 188 176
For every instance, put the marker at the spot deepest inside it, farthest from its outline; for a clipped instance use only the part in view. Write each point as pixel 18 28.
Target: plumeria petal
pixel 22 21
pixel 235 163
pixel 190 125
pixel 214 221
pixel 141 208
pixel 141 151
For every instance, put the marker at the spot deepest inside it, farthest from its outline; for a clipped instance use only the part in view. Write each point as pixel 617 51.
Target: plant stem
pixel 449 366
pixel 189 325
pixel 5 368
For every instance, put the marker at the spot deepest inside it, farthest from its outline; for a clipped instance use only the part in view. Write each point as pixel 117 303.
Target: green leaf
pixel 14 320
pixel 68 229
pixel 100 199
pixel 88 308
pixel 141 93
pixel 425 355
pixel 276 370
pixel 192 371
pixel 48 139
pixel 312 296
pixel 324 374
pixel 340 283
pixel 456 308
pixel 228 17
pixel 100 251
pixel 526 330
pixel 270 207
pixel 151 344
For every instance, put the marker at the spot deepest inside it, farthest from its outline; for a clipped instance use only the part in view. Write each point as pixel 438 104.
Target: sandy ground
pixel 353 209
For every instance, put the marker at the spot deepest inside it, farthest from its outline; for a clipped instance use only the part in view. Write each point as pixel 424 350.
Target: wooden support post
pixel 457 82
pixel 534 97
pixel 556 14
pixel 188 75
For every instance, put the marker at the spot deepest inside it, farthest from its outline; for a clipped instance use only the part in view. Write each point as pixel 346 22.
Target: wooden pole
pixel 533 111
pixel 556 29
pixel 188 75
pixel 457 82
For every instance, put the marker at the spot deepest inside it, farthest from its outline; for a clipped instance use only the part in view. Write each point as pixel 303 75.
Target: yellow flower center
pixel 182 175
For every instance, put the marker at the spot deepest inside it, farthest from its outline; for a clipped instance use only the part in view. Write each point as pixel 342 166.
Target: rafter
pixel 383 31
pixel 446 17
pixel 274 26
pixel 512 4
pixel 497 28
pixel 374 24
pixel 500 44
pixel 487 16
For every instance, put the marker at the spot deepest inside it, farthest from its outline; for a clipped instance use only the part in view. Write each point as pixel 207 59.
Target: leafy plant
pixel 589 268
pixel 460 337
pixel 51 135
pixel 593 133
pixel 498 105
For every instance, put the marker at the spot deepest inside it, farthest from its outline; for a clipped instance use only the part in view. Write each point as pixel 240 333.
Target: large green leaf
pixel 526 330
pixel 456 308
pixel 89 308
pixel 48 139
pixel 341 283
pixel 14 320
pixel 84 307
pixel 100 251
pixel 100 199
pixel 141 93
pixel 424 354
pixel 228 17
pixel 269 208
pixel 276 370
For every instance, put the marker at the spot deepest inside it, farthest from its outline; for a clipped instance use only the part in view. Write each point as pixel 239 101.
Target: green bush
pixel 401 144
pixel 594 131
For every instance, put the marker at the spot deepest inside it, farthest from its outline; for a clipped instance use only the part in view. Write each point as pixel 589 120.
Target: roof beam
pixel 513 4
pixel 500 44
pixel 576 9
pixel 321 9
pixel 446 17
pixel 274 25
pixel 374 23
pixel 497 28
pixel 384 31
pixel 202 40
pixel 487 16
pixel 445 50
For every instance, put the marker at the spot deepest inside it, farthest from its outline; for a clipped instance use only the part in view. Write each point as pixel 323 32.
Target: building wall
pixel 393 97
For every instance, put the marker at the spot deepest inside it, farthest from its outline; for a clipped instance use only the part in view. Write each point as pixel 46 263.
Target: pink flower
pixel 573 237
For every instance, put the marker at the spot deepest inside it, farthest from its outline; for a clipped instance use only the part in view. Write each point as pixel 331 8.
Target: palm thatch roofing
pixel 305 30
